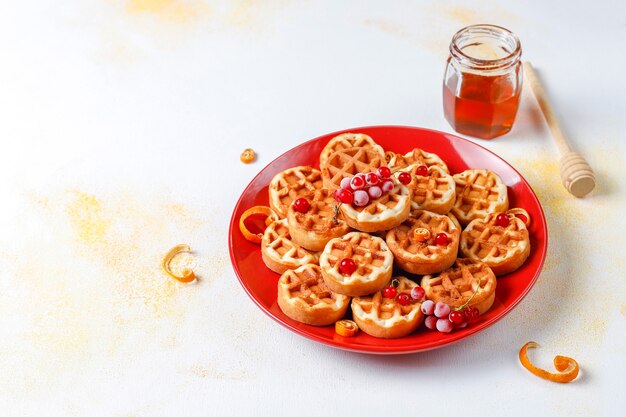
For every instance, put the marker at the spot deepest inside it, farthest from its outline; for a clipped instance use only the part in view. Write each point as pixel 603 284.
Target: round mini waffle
pixel 372 257
pixel 504 249
pixel 414 246
pixel 349 162
pixel 434 192
pixel 304 296
pixel 416 157
pixel 382 213
pixel 479 192
pixel 384 317
pixel 322 221
pixel 349 140
pixel 291 184
pixel 279 252
pixel 457 284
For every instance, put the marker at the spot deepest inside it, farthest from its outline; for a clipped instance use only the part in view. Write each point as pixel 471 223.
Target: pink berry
pixel 375 191
pixel 444 325
pixel 372 178
pixel 502 219
pixel 403 299
pixel 357 182
pixel 442 310
pixel 345 183
pixel 301 205
pixel 343 195
pixel 384 172
pixel 361 198
pixel 428 307
pixel 417 293
pixel 404 178
pixel 461 326
pixel 422 170
pixel 389 292
pixel 431 322
pixel 387 186
pixel 347 266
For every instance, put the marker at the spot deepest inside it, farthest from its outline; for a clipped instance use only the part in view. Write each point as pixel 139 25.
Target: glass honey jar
pixel 483 81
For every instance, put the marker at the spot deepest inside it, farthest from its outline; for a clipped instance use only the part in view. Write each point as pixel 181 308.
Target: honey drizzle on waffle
pixel 387 311
pixel 292 184
pixel 478 192
pixel 279 246
pixel 489 242
pixel 458 283
pixel 306 284
pixel 370 254
pixel 431 192
pixel 347 163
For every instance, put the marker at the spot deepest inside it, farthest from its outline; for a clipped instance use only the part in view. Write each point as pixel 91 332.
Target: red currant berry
pixel 357 182
pixel 418 293
pixel 301 205
pixel 387 186
pixel 372 178
pixel 502 219
pixel 404 178
pixel 384 172
pixel 389 292
pixel 441 239
pixel 457 317
pixel 422 170
pixel 404 299
pixel 343 195
pixel 471 313
pixel 347 266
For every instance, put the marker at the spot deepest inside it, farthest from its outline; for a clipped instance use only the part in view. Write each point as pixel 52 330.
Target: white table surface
pixel 122 122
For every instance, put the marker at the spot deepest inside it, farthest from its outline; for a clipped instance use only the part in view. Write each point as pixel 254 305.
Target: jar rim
pixel 497 32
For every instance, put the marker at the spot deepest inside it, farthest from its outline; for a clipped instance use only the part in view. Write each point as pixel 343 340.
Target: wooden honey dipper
pixel 576 174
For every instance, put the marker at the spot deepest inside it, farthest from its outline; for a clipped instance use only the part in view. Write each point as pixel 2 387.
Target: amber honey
pixel 483 81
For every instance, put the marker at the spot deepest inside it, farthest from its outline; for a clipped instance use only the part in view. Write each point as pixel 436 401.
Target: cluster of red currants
pixel 362 188
pixel 441 317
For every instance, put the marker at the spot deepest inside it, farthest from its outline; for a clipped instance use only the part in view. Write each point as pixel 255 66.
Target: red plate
pixel 459 154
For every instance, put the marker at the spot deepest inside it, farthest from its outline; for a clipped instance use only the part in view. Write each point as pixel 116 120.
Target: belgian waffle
pixel 279 252
pixel 348 162
pixel 303 296
pixel 349 140
pixel 479 192
pixel 291 184
pixel 423 255
pixel 504 249
pixel 385 317
pixel 322 222
pixel 434 192
pixel 416 157
pixel 383 213
pixel 372 257
pixel 458 283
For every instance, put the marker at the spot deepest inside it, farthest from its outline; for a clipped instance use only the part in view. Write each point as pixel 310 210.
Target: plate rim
pixel 386 350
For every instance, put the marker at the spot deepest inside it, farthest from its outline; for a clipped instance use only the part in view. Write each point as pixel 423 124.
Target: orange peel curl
pixel 188 275
pixel 567 367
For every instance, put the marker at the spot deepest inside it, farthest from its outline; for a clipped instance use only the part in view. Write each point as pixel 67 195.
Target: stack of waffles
pixel 369 219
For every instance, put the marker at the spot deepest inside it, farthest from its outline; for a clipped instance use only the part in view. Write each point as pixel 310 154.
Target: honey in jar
pixel 483 81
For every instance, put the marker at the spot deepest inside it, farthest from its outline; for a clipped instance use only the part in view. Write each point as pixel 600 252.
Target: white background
pixel 121 124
